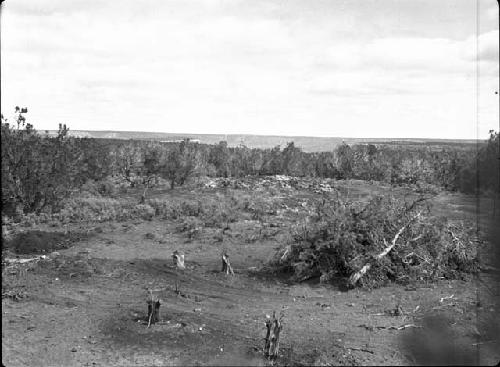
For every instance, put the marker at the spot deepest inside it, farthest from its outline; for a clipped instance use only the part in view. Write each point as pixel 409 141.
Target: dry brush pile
pixel 370 244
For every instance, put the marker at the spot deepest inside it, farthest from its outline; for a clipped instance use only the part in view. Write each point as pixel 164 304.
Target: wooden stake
pixel 272 340
pixel 178 258
pixel 153 308
pixel 226 265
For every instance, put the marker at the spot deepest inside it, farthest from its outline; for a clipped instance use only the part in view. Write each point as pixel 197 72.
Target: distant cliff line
pixel 307 143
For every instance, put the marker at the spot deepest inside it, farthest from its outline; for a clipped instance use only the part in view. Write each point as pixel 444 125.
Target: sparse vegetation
pixel 40 172
pixel 360 216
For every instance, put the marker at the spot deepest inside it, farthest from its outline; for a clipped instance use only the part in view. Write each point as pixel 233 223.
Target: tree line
pixel 39 171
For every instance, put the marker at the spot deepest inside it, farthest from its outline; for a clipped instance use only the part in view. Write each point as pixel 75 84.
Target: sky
pixel 342 68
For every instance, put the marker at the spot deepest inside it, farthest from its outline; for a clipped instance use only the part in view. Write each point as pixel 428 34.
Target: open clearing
pixel 86 305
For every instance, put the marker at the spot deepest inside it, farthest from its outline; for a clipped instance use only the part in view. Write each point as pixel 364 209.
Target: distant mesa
pixel 76 133
pixel 181 140
pixel 306 143
pixel 80 134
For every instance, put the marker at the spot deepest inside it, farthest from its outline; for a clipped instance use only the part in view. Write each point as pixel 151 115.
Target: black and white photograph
pixel 250 182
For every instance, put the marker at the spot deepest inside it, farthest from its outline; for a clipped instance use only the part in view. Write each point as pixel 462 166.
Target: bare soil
pixel 86 306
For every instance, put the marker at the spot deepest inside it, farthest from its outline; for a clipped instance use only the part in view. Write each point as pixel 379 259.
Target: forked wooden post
pixel 268 334
pixel 226 265
pixel 153 308
pixel 272 340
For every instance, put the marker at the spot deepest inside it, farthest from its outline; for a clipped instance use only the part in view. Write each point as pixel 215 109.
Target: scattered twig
pixel 416 238
pixel 447 297
pixel 284 257
pixel 417 255
pixel 443 306
pixel 361 349
pixel 455 238
pixel 402 327
pixel 371 328
pixel 485 342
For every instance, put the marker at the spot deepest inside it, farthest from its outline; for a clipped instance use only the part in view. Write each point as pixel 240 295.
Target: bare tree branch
pixel 354 278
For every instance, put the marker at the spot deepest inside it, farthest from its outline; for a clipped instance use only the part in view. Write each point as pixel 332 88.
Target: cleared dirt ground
pixel 86 306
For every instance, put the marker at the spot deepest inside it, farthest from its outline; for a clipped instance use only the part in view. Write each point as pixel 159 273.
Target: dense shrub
pixel 37 242
pixel 191 226
pixel 40 172
pixel 143 211
pixel 174 209
pixel 338 238
pixel 165 209
pixel 482 173
pixel 91 209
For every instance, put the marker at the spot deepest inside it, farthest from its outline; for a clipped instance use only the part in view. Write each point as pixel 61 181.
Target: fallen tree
pixel 353 279
pixel 370 244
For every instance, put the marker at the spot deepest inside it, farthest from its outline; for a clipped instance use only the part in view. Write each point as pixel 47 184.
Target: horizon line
pixel 268 135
